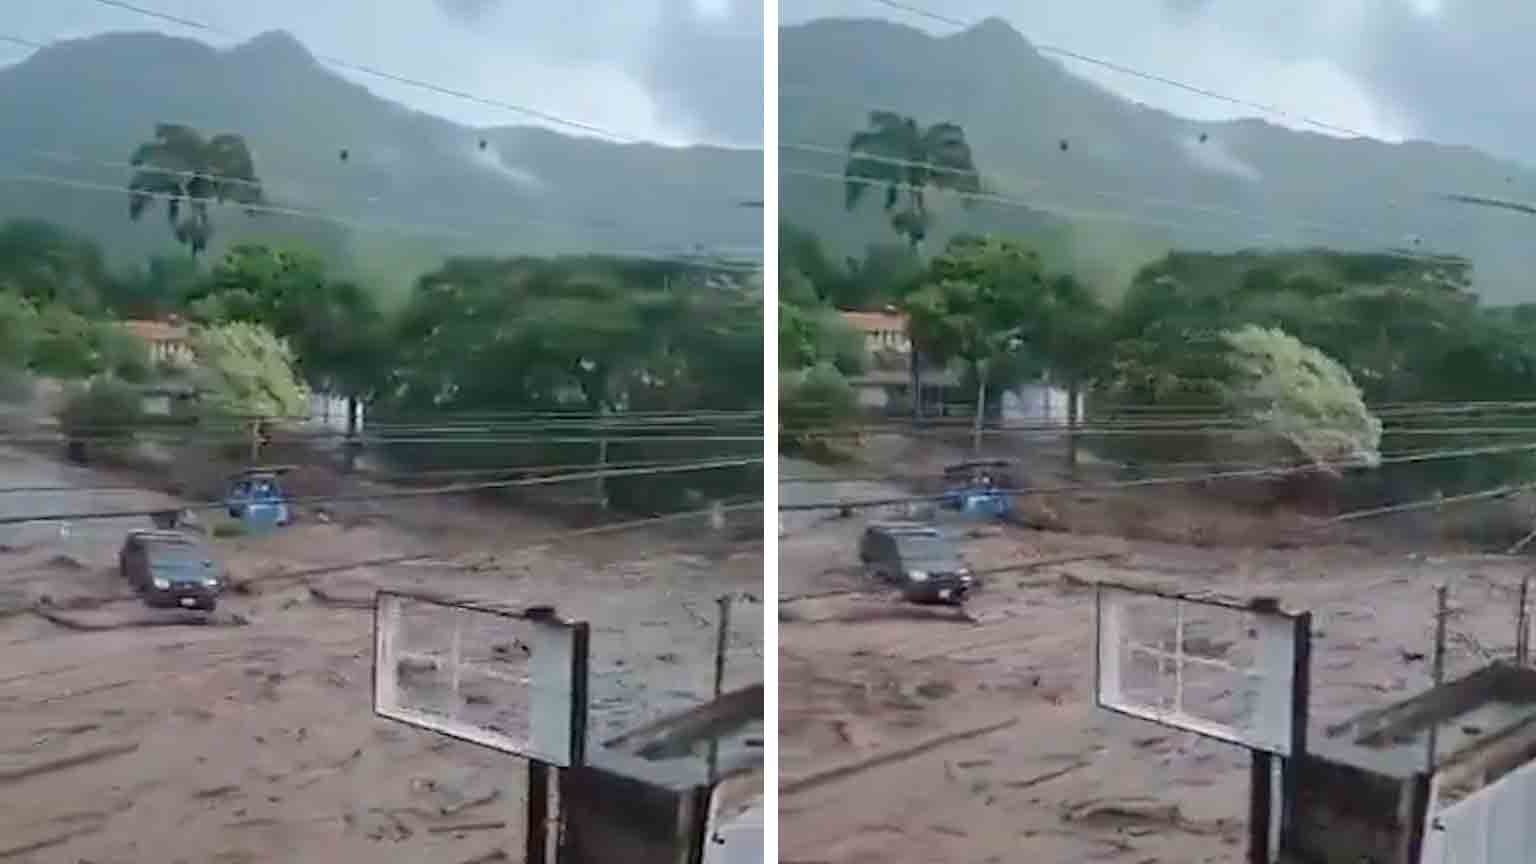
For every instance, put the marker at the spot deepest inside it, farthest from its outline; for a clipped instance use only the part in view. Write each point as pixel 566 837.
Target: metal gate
pixel 1494 825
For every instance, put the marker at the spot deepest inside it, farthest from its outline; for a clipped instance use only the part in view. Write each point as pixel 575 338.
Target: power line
pixel 267 179
pixel 1060 51
pixel 382 74
pixel 1080 213
pixel 1033 183
pixel 1073 488
pixel 389 477
pixel 25 43
pixel 418 230
pixel 452 489
pixel 542 540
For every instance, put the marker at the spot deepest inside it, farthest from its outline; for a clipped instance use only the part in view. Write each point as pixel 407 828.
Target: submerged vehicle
pixel 256 497
pixel 978 487
pixel 171 568
pixel 918 560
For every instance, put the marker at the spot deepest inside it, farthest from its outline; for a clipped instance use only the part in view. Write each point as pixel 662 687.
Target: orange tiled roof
pixel 876 322
pixel 156 331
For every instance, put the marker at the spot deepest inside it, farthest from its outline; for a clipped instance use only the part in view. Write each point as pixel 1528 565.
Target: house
pixel 168 399
pixel 882 331
pixel 167 340
pixel 888 362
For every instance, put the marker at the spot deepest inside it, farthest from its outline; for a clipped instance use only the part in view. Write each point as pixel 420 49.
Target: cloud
pixel 674 71
pixel 1213 156
pixel 467 11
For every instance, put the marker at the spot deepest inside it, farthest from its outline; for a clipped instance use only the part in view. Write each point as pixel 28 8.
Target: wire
pixel 1080 213
pixel 1047 48
pixel 388 76
pixel 385 476
pixel 25 43
pixel 536 542
pixel 452 489
pixel 1325 228
pixel 57 156
pixel 1067 489
pixel 418 230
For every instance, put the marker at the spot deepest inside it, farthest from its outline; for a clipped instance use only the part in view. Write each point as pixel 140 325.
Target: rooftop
pixel 156 331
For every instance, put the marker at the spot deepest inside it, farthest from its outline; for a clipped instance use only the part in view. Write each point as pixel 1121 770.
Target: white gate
pixel 1494 825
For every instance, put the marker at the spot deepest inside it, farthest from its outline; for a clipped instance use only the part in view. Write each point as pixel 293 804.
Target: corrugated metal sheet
pixel 1495 825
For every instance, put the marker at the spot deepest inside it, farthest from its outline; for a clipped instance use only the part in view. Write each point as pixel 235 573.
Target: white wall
pixel 1038 403
pixel 1495 825
pixel 330 412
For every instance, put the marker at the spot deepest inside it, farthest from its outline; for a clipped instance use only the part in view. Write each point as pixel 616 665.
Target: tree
pixel 979 302
pixel 102 413
pixel 815 405
pixel 906 158
pixel 247 373
pixel 47 264
pixel 1300 396
pixel 186 172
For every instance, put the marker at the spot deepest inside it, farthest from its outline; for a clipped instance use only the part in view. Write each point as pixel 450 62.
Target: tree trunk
pixel 981 408
pixel 350 458
pixel 917 385
pixel 1074 391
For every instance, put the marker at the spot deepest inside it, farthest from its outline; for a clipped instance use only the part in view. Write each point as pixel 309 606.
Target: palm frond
pixel 949 154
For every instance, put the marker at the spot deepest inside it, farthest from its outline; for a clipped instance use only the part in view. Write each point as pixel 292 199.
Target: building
pixel 167 340
pixel 883 332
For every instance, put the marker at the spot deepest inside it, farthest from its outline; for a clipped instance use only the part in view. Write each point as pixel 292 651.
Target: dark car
pixel 918 559
pixel 169 568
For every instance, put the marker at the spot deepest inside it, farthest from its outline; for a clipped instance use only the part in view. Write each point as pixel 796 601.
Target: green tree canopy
pixel 1300 396
pixel 906 158
pixel 185 172
pixel 246 372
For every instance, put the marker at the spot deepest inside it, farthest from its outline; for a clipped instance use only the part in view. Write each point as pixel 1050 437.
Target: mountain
pixel 1106 183
pixel 75 111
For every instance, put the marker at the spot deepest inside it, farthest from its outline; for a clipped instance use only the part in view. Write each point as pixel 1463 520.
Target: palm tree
pixel 906 158
pixel 186 171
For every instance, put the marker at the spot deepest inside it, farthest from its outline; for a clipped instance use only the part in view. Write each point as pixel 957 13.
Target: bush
pixel 815 407
pixel 1300 396
pixel 101 415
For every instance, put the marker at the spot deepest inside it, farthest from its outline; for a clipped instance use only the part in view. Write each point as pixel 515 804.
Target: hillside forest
pixel 494 338
pixel 1309 357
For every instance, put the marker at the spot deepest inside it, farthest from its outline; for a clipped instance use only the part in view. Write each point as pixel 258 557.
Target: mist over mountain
pixel 401 185
pixel 1107 183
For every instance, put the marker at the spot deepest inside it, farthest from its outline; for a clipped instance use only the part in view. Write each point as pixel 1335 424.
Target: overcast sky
pixel 675 71
pixel 1453 71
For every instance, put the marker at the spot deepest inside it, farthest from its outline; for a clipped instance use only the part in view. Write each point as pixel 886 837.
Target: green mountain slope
pixel 73 106
pixel 1112 183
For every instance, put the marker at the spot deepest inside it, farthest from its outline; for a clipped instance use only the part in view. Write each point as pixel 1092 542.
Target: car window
pixel 178 553
pixel 926 549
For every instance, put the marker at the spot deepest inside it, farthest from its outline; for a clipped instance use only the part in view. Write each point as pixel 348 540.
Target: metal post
pixel 1301 718
pixel 537 851
pixel 722 646
pixel 1438 671
pixel 1260 805
pixel 1523 622
pixel 580 694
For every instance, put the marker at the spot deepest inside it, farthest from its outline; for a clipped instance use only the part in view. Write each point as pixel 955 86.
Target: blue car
pixel 257 499
pixel 977 488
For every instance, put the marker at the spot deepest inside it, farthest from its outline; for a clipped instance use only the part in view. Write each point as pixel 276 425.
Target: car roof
pixel 908 528
pixel 160 536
